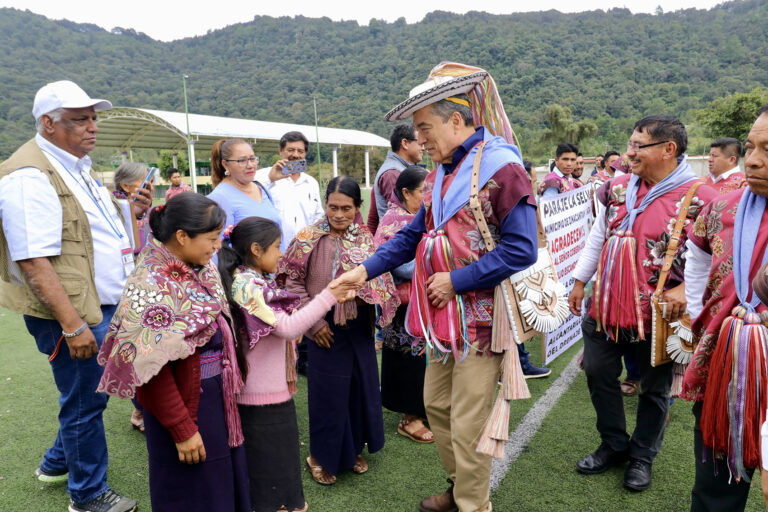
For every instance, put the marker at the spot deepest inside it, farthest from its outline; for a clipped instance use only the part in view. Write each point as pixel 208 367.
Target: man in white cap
pixel 461 378
pixel 64 258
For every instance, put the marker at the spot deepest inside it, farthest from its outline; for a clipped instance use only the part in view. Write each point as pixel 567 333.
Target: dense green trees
pixel 165 162
pixel 562 127
pixel 733 115
pixel 608 67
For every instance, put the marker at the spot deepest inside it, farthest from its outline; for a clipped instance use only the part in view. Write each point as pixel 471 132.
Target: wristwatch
pixel 77 332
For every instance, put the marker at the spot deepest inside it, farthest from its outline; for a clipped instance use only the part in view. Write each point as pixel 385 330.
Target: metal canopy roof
pixel 133 128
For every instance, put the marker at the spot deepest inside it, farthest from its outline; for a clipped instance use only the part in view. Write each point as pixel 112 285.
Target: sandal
pixel 137 420
pixel 302 509
pixel 420 435
pixel 319 474
pixel 361 465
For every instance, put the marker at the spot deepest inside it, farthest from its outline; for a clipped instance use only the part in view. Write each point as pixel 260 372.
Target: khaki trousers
pixel 458 398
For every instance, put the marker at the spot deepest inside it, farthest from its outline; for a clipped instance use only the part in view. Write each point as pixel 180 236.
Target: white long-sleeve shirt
pixel 590 255
pixel 697 265
pixel 298 203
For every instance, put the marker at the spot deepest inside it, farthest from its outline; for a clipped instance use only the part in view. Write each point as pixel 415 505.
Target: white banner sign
pixel 566 219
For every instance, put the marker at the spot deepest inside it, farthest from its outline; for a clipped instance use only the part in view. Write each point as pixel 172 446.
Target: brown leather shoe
pixel 440 502
pixel 629 387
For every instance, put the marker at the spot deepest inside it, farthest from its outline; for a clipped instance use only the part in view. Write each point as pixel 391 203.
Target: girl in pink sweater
pixel 266 323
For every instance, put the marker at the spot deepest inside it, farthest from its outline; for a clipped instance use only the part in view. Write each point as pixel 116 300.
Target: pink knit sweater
pixel 266 382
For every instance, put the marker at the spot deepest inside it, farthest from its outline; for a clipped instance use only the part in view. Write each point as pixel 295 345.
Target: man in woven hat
pixel 627 248
pixel 64 259
pixel 462 374
pixel 727 374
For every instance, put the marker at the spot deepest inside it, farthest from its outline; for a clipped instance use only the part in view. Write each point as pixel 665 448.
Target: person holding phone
pixel 130 177
pixel 297 199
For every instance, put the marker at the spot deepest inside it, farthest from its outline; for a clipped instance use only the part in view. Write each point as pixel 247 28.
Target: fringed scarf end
pixel 617 292
pixel 345 311
pixel 290 366
pixel 232 383
pixel 513 387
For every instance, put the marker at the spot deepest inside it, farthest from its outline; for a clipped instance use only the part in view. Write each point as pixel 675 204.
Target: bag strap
pixel 477 213
pixel 674 241
pixel 474 200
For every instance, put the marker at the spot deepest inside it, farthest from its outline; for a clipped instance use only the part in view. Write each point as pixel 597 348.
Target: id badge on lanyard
pixel 126 251
pixel 128 264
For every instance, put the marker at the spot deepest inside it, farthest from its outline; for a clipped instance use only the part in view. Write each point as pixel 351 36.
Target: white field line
pixel 531 422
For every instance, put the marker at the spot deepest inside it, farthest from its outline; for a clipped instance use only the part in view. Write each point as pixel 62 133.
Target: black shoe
pixel 534 372
pixel 110 501
pixel 637 477
pixel 599 462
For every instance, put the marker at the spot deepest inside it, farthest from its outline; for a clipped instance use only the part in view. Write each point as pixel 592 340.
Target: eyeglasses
pixel 243 161
pixel 634 146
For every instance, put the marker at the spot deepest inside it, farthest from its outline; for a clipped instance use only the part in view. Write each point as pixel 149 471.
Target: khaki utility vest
pixel 74 265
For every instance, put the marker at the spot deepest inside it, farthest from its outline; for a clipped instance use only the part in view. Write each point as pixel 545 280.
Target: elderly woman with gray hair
pixel 128 178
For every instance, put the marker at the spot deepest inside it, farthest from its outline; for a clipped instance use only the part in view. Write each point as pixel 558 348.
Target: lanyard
pixel 94 195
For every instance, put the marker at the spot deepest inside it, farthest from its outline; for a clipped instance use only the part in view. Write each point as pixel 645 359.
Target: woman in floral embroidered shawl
pixel 267 322
pixel 170 345
pixel 342 374
pixel 403 361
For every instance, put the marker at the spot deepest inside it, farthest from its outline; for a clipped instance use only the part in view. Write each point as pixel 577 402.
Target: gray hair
pixel 55 116
pixel 445 108
pixel 129 172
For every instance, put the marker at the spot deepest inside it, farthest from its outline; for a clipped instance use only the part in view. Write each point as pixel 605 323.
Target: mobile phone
pixel 295 166
pixel 148 178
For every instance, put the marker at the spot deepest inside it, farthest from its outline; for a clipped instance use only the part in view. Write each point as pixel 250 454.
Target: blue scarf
pixel 746 226
pixel 496 154
pixel 681 175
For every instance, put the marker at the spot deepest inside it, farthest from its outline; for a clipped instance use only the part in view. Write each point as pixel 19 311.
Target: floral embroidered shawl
pixel 259 298
pixel 713 233
pixel 355 246
pixel 396 218
pixel 166 312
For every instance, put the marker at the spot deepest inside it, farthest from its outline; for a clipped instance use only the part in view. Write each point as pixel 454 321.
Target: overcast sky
pixel 167 20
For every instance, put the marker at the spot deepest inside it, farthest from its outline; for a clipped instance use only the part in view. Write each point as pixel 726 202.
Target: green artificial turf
pixel 400 475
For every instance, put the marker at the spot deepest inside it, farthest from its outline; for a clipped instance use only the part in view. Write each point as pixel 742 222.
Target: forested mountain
pixel 611 67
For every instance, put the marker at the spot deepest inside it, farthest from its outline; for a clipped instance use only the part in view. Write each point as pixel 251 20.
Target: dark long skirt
pixel 220 483
pixel 402 369
pixel 343 394
pixel 272 450
pixel 402 382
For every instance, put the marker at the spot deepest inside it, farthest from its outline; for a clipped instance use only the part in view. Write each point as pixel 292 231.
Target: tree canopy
pixel 732 115
pixel 610 68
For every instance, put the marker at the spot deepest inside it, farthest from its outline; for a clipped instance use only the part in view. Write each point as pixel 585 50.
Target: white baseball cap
pixel 64 94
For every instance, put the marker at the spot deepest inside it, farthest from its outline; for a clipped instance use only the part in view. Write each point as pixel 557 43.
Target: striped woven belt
pixel 211 363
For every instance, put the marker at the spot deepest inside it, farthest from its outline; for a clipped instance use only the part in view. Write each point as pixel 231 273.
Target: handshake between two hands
pixel 439 286
pixel 344 288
